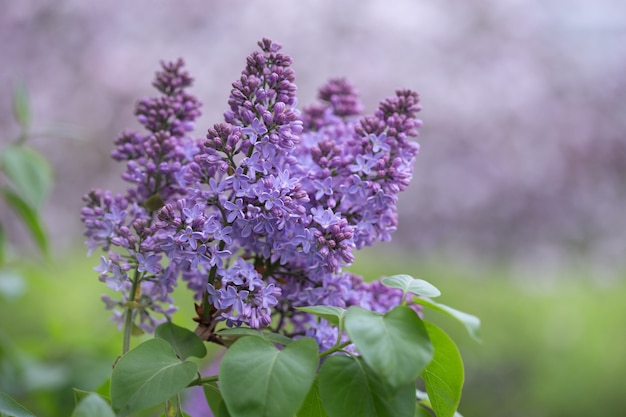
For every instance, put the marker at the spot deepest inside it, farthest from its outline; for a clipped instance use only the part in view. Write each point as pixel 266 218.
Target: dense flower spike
pixel 260 216
pixel 339 98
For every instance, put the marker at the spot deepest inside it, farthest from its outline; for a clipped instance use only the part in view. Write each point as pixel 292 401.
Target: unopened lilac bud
pixel 163 168
pixel 139 225
pixel 166 213
pixel 247 115
pixel 261 94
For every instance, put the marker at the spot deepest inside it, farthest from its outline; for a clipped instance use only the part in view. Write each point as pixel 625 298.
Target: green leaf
pixel 214 399
pixel 258 380
pixel 21 107
pixel 154 202
pixel 102 391
pixel 80 394
pixel 421 411
pixel 471 323
pixel 148 375
pixel 172 408
pixel 105 389
pixel 348 387
pixel 444 374
pixel 333 315
pixel 185 342
pixel 11 408
pixel 223 411
pixel 29 172
pixel 29 217
pixel 239 332
pixel 413 285
pixel 425 406
pixel 394 345
pixel 312 406
pixel 93 405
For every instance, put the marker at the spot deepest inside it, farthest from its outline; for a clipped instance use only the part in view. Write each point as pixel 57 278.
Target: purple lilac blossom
pixel 261 215
pixel 124 226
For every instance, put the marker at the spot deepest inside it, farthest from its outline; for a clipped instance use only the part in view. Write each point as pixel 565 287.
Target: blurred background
pixel 516 210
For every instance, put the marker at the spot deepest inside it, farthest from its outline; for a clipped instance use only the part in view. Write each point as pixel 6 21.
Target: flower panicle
pixel 155 160
pixel 339 100
pixel 262 101
pixel 261 215
pixel 159 166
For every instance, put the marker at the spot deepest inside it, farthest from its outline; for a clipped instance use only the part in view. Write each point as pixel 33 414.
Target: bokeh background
pixel 516 210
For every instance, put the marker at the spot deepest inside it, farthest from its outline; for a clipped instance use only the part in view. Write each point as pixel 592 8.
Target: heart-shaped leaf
pixel 185 342
pixel 80 395
pixel 348 387
pixel 471 323
pixel 258 380
pixel 214 399
pixel 394 345
pixel 333 315
pixel 93 405
pixel 444 374
pixel 147 375
pixel 312 406
pixel 11 408
pixel 408 284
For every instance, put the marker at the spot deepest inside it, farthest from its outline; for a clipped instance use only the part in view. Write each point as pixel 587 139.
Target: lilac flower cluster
pixel 261 215
pixel 124 226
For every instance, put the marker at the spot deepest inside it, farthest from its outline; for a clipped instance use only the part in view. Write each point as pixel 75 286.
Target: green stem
pixel 206 306
pixel 128 323
pixel 202 381
pixel 335 348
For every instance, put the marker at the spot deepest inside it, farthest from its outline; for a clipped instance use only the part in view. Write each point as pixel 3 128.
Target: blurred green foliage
pixel 25 177
pixel 552 346
pixel 56 334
